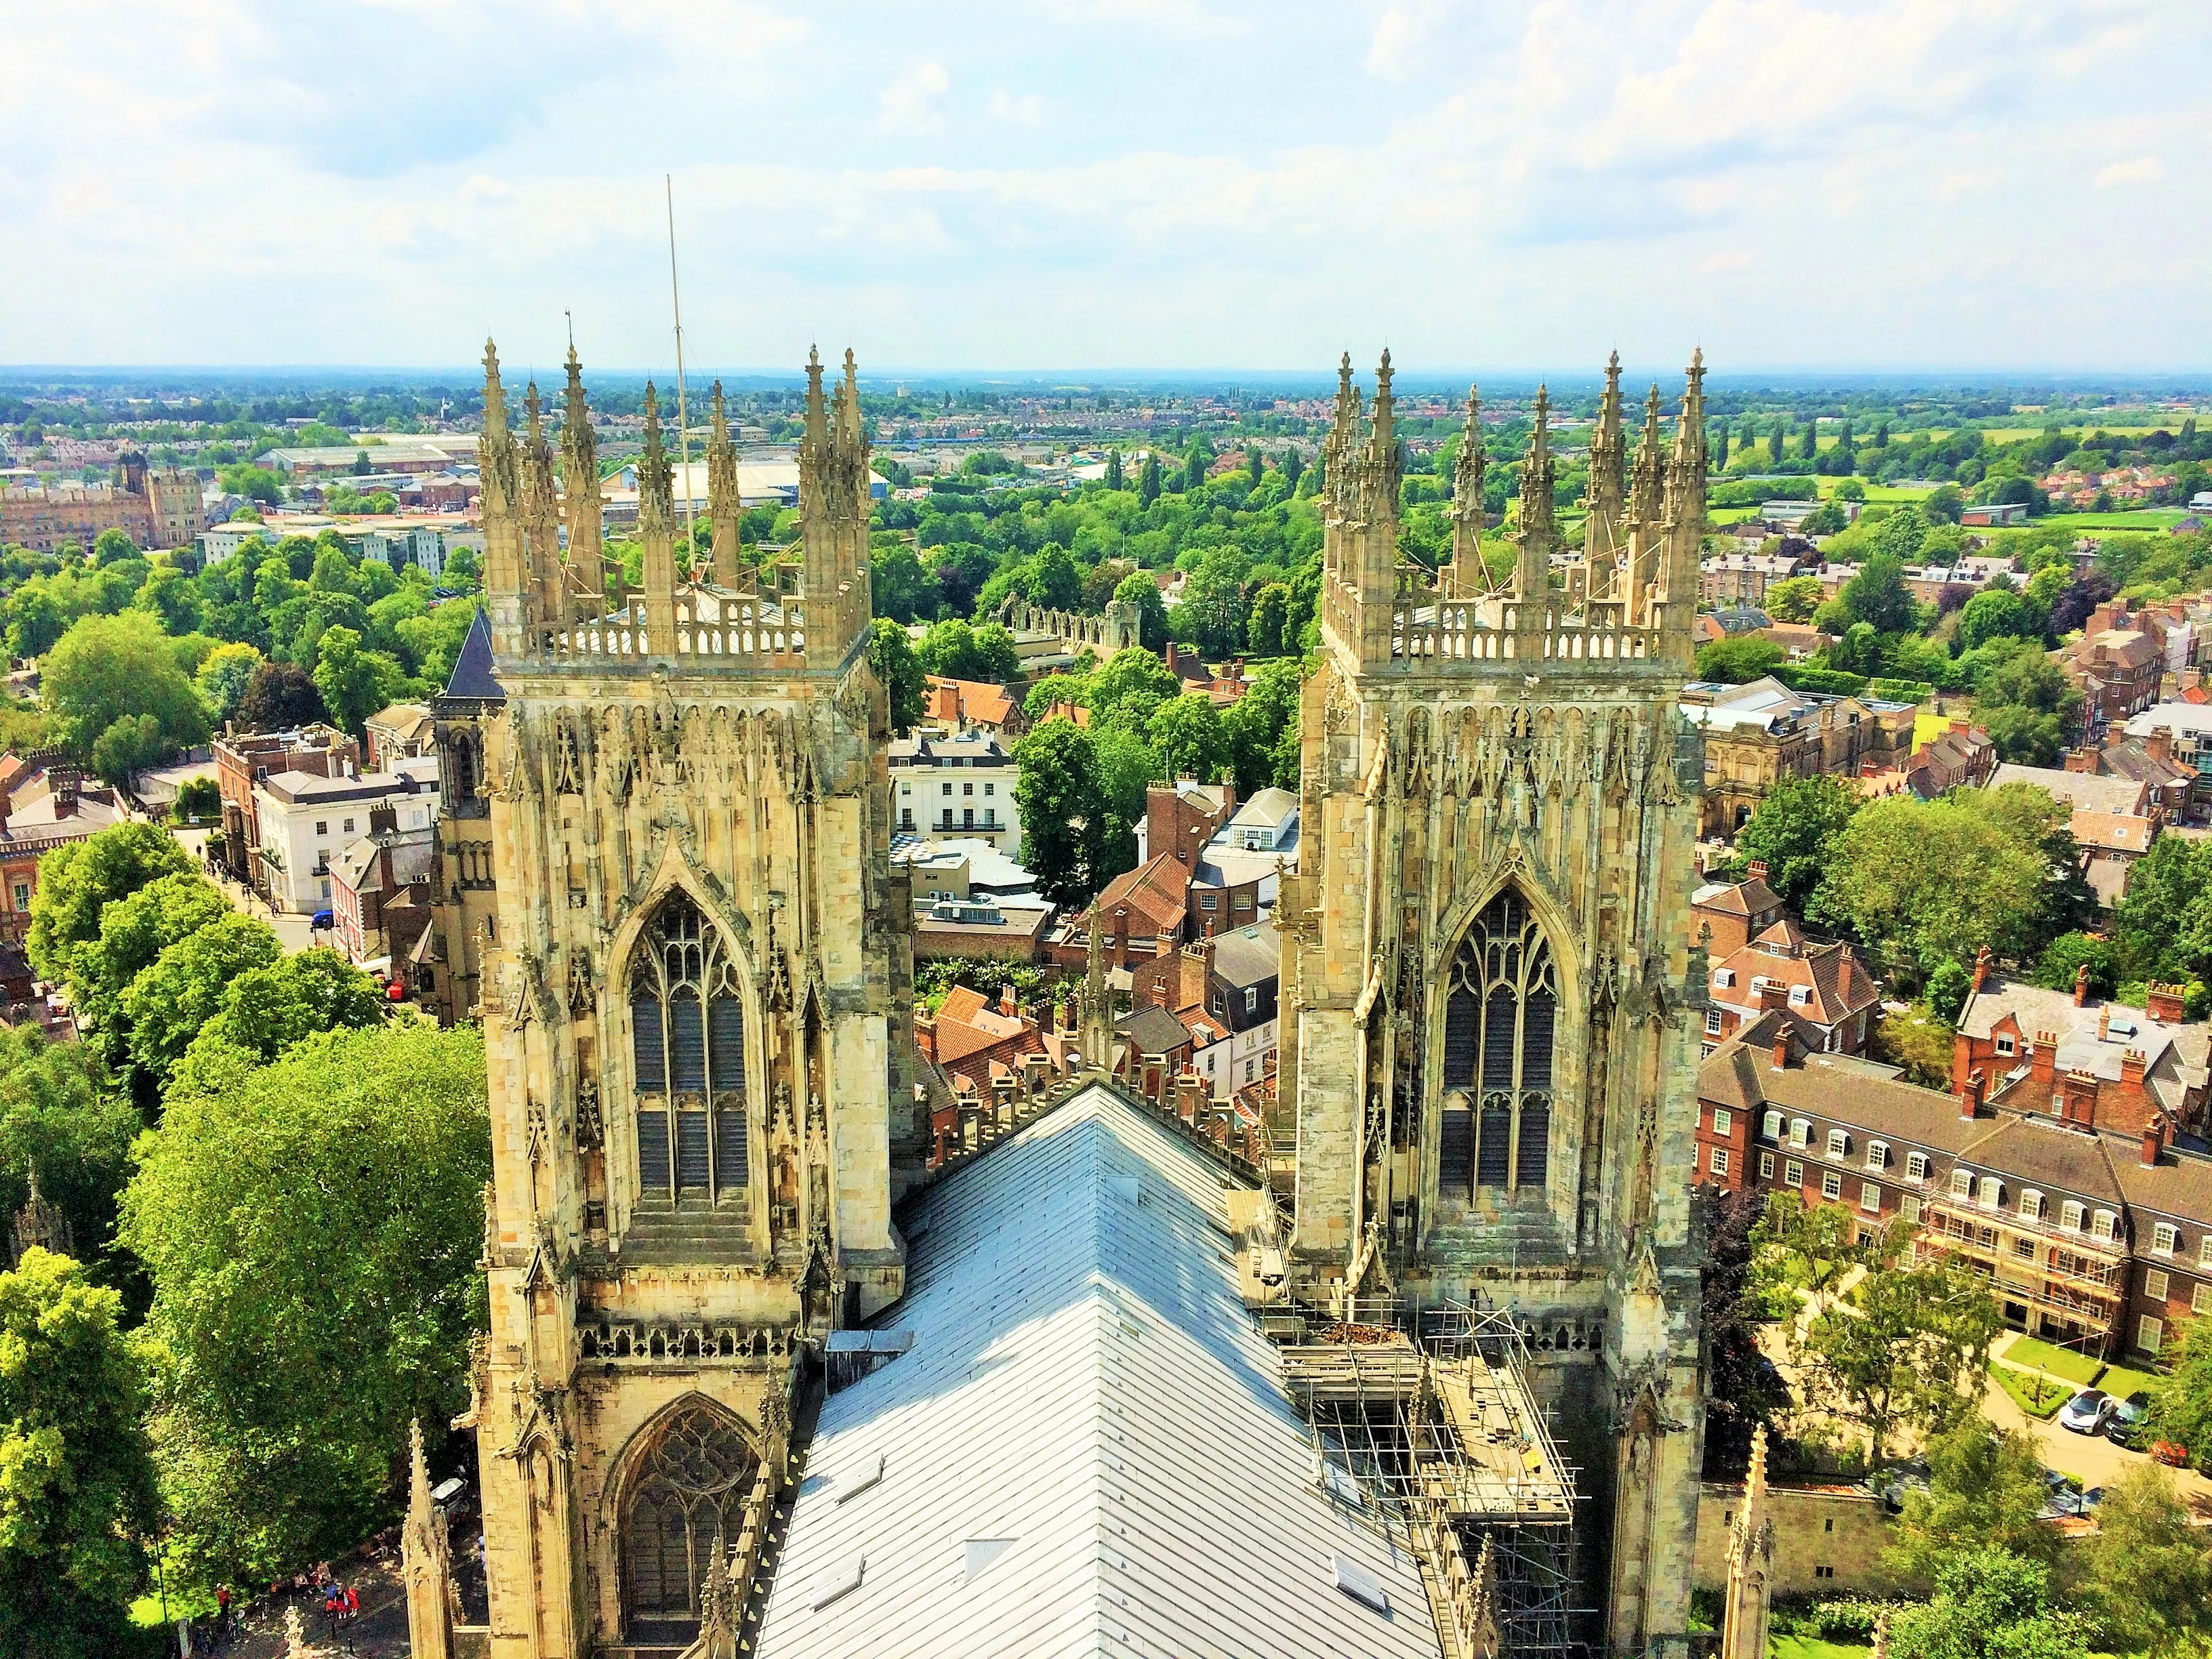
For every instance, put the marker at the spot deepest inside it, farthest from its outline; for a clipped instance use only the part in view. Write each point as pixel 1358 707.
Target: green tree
pixel 1148 481
pixel 355 682
pixel 434 640
pixel 1738 660
pixel 1133 679
pixel 1894 878
pixel 76 1486
pixel 892 656
pixel 1113 479
pixel 1138 588
pixel 1878 597
pixel 1900 537
pixel 1906 1347
pixel 1270 610
pixel 1187 734
pixel 112 546
pixel 1989 1604
pixel 1063 813
pixel 1948 988
pixel 898 587
pixel 2024 737
pixel 188 985
pixel 956 650
pixel 1985 1488
pixel 1213 605
pixel 1794 600
pixel 106 669
pixel 1776 441
pixel 1996 613
pixel 77 881
pixel 223 679
pixel 1794 830
pixel 312 1229
pixel 58 1117
pixel 2181 1399
pixel 1806 1249
pixel 267 1010
pixel 2146 1579
pixel 1053 690
pixel 134 931
pixel 279 696
pixel 1127 767
pixel 2064 957
pixel 2162 928
pixel 1256 724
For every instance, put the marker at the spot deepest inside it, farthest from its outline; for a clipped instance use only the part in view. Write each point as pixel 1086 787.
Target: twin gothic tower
pixel 697 994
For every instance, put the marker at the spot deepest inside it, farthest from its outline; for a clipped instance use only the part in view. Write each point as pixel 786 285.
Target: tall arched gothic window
pixel 1501 1006
pixel 688 1493
pixel 688 1043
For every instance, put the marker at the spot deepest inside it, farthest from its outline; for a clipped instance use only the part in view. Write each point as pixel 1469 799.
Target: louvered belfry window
pixel 1501 1006
pixel 688 1045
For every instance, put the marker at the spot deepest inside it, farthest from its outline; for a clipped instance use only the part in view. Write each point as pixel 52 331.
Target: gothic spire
pixel 1643 503
pixel 1469 577
pixel 655 482
pixel 580 482
pixel 1383 441
pixel 1533 566
pixel 816 422
pixel 725 506
pixel 656 525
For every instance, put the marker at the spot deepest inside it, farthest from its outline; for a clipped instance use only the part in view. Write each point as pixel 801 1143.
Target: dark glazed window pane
pixel 1462 1038
pixel 1535 1142
pixel 1493 1156
pixel 653 1150
pixel 732 1167
pixel 726 1019
pixel 691 1149
pixel 688 1041
pixel 648 1046
pixel 1536 1039
pixel 1455 1151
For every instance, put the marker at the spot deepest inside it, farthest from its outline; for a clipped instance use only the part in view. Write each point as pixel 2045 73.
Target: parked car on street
pixel 2171 1453
pixel 2088 1411
pixel 2126 1427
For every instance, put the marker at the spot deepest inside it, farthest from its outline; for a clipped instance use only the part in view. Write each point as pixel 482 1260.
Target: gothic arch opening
pixel 688 1054
pixel 685 1500
pixel 1501 1016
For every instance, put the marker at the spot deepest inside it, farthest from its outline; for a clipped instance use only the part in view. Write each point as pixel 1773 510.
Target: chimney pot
pixel 2131 1067
pixel 2082 986
pixel 1756 870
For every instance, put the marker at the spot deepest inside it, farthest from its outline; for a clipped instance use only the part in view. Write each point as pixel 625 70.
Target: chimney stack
pixel 2080 1109
pixel 2082 986
pixel 2167 1004
pixel 1755 870
pixel 2159 743
pixel 2131 1068
pixel 1773 994
pixel 925 1034
pixel 1985 959
pixel 1782 1045
pixel 1971 1096
pixel 1007 1004
pixel 2043 1056
pixel 2154 1142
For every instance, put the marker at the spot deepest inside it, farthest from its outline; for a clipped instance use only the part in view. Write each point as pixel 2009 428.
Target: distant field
pixel 2143 518
pixel 2013 435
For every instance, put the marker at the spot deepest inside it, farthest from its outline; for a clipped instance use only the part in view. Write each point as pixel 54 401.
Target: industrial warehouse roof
pixel 1089 1448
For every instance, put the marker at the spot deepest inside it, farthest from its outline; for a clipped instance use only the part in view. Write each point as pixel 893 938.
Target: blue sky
pixel 1137 184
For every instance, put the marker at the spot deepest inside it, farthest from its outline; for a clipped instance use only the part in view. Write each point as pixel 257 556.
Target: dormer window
pixel 2005 1043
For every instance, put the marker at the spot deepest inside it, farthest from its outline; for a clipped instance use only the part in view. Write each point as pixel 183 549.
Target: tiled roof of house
pixel 1153 891
pixel 2083 791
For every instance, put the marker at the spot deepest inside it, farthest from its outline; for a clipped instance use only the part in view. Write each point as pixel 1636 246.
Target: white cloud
pixel 231 181
pixel 911 102
pixel 1026 111
pixel 2144 170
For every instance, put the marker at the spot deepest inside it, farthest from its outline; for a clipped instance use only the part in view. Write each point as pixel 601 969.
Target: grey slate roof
pixel 472 674
pixel 1089 1449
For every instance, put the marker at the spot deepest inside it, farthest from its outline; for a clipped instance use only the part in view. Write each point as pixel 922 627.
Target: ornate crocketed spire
pixel 1644 498
pixel 655 481
pixel 817 424
pixel 1382 440
pixel 1468 576
pixel 579 485
pixel 849 395
pixel 724 505
pixel 656 525
pixel 1608 483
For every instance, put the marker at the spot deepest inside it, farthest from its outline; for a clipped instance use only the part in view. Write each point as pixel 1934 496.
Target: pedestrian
pixel 352 1604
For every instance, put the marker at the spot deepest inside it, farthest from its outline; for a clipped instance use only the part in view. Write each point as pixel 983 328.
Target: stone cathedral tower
pixel 697 999
pixel 1490 991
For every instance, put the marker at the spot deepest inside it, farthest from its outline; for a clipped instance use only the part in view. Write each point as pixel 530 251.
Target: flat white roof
pixel 1089 1448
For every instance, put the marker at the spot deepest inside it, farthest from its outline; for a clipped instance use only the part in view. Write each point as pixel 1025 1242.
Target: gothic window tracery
pixel 1501 1014
pixel 686 1500
pixel 688 1049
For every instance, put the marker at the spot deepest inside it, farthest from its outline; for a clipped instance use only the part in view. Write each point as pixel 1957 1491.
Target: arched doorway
pixel 686 1498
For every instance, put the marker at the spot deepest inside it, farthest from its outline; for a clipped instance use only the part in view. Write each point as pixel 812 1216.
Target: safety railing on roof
pixel 743 630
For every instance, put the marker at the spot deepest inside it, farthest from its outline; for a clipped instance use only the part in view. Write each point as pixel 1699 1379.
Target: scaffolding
pixel 1425 1431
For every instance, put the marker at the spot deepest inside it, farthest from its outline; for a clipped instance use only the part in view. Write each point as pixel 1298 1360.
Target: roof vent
pixel 869 1471
pixel 2121 1028
pixel 844 1578
pixel 980 1553
pixel 1354 1580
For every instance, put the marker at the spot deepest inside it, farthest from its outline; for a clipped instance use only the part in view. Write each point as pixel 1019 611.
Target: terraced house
pixel 2094 1231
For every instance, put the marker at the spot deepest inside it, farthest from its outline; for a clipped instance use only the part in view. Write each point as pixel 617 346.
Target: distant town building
pixel 961 784
pixel 306 818
pixel 155 507
pixel 242 761
pixel 1758 734
pixel 46 802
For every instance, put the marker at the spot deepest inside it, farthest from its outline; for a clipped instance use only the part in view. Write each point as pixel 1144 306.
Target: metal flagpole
pixel 682 424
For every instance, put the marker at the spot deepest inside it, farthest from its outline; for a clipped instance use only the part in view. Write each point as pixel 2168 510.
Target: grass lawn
pixel 2143 518
pixel 2022 1386
pixel 2123 1381
pixel 1813 1647
pixel 2081 1369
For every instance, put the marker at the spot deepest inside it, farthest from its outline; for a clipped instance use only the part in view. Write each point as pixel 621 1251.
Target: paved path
pixel 2094 1459
pixel 292 930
